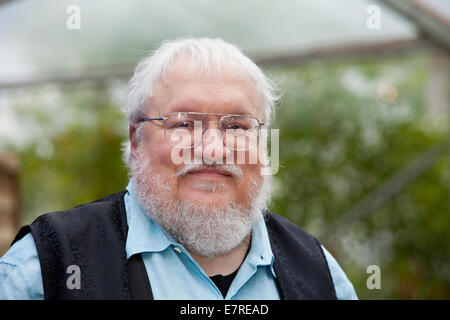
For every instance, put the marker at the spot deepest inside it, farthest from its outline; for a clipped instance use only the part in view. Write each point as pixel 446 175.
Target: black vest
pixel 93 236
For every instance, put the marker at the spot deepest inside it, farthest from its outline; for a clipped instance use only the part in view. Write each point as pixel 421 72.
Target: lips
pixel 209 172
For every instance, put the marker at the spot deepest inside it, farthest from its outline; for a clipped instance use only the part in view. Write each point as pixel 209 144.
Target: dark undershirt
pixel 224 282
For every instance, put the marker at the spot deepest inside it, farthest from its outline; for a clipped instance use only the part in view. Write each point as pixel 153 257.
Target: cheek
pixel 158 151
pixel 163 155
pixel 251 175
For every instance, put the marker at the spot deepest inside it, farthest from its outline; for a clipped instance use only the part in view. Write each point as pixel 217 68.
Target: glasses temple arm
pixel 150 119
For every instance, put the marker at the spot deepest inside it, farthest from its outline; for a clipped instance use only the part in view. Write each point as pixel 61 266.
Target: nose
pixel 212 149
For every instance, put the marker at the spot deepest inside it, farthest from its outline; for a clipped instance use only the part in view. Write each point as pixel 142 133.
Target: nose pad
pixel 212 149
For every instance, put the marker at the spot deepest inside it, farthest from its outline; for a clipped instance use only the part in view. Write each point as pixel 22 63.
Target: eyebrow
pixel 236 109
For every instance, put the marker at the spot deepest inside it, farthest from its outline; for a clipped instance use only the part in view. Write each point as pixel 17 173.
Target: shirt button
pixel 177 249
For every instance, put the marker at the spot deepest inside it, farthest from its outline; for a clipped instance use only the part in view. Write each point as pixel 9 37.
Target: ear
pixel 133 138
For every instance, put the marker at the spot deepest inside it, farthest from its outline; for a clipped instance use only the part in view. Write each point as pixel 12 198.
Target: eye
pixel 184 124
pixel 234 126
pixel 237 126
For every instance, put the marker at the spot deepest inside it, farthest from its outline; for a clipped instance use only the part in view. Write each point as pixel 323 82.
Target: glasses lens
pixel 184 130
pixel 240 132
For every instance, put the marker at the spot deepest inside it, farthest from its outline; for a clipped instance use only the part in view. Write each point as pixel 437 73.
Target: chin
pixel 208 200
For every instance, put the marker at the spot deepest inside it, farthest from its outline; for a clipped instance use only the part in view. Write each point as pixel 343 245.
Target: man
pixel 192 223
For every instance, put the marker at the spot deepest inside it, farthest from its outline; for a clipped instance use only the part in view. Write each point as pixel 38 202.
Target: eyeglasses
pixel 186 129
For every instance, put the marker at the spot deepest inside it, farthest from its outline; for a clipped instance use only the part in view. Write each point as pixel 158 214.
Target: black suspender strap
pixel 138 282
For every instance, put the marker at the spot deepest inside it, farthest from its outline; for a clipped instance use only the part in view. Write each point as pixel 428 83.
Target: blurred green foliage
pixel 341 137
pixel 78 163
pixel 345 127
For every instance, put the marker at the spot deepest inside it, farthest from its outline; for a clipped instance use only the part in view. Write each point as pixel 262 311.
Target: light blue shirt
pixel 172 272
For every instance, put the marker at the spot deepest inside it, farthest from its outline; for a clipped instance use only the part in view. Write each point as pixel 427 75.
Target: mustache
pixel 231 169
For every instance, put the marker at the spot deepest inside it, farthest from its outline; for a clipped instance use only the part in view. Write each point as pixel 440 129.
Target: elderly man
pixel 192 222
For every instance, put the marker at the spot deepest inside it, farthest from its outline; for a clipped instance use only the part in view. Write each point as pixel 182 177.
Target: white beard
pixel 203 230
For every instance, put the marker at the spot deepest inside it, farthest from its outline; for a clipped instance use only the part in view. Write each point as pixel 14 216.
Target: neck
pixel 226 263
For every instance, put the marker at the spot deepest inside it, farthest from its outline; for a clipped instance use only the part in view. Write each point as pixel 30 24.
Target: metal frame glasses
pixel 239 132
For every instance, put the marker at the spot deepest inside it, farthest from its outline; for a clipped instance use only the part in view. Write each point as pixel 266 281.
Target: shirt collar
pixel 145 235
pixel 260 253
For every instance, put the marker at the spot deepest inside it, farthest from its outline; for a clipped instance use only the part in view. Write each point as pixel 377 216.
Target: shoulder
pixel 293 238
pixel 95 206
pixel 287 230
pixel 82 216
pixel 20 271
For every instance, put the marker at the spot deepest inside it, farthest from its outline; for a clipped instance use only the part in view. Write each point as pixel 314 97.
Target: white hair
pixel 204 53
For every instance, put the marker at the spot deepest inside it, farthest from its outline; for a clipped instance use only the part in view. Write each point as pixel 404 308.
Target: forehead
pixel 183 88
